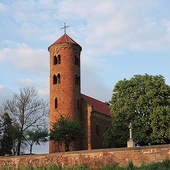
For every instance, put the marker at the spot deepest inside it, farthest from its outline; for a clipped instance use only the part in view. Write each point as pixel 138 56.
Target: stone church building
pixel 67 100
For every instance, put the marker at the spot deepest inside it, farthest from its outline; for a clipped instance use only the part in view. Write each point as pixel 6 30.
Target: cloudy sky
pixel 119 38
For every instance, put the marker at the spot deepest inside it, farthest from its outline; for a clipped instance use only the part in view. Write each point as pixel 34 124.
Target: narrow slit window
pixel 55 60
pixel 56 103
pixel 59 59
pixel 54 79
pixel 58 79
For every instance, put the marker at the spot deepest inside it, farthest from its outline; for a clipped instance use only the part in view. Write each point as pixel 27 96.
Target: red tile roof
pixel 64 39
pixel 98 106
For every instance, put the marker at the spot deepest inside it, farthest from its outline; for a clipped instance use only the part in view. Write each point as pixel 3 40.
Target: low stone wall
pixel 93 158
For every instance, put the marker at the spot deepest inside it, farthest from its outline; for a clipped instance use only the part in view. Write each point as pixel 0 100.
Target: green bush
pixel 165 165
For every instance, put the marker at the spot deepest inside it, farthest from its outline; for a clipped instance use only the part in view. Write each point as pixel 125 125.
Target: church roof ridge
pixel 98 106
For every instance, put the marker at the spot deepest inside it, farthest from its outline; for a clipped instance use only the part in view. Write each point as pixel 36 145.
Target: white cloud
pixel 26 59
pixel 40 84
pixel 44 92
pixel 25 82
pixel 103 28
pixel 5 94
pixel 112 25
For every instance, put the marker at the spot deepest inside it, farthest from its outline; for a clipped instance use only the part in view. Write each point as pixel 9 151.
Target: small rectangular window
pixel 56 103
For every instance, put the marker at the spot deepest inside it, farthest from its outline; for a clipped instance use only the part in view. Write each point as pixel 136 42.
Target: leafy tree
pixel 26 111
pixel 36 136
pixel 15 133
pixel 66 131
pixel 6 138
pixel 143 100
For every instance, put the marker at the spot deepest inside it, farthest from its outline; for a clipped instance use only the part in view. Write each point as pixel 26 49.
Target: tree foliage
pixel 143 100
pixel 6 141
pixel 27 111
pixel 66 131
pixel 36 136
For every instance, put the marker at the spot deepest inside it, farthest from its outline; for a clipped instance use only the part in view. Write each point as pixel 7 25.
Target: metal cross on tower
pixel 65 26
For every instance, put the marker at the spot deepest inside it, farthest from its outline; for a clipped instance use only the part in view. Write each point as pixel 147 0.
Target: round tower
pixel 65 81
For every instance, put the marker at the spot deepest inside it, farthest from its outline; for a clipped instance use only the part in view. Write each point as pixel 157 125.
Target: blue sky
pixel 119 38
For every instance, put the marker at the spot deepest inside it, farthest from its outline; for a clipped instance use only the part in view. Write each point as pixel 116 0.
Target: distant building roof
pixel 98 106
pixel 64 39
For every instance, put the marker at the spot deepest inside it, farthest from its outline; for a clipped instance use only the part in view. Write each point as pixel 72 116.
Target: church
pixel 67 100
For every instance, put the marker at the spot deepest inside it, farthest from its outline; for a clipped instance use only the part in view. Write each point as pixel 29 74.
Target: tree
pixel 66 131
pixel 145 102
pixel 36 136
pixel 27 111
pixel 7 137
pixel 1 131
pixel 1 134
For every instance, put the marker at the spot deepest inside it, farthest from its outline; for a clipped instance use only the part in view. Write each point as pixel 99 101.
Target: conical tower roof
pixel 64 39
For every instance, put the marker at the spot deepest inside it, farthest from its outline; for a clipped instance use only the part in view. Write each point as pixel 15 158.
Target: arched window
pixel 57 59
pixel 54 79
pixel 56 103
pixel 97 129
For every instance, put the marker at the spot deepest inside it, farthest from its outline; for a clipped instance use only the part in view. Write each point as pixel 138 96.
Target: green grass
pixel 165 165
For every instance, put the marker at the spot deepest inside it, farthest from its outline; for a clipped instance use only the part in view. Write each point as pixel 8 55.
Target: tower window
pixel 77 60
pixel 56 103
pixel 56 79
pixel 77 79
pixel 57 59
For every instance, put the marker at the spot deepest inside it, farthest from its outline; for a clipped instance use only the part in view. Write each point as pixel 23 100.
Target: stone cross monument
pixel 130 143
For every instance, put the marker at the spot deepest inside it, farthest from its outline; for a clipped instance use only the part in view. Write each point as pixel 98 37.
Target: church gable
pixel 98 106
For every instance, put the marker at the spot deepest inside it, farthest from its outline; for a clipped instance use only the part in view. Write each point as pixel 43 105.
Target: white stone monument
pixel 130 143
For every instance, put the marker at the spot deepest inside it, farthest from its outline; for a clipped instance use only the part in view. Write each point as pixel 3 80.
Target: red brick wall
pixel 84 120
pixel 100 122
pixel 91 119
pixel 93 158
